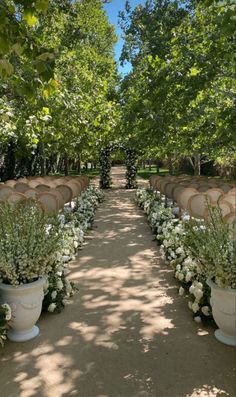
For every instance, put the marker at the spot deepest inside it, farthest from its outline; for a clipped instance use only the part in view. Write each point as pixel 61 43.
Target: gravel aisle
pixel 127 333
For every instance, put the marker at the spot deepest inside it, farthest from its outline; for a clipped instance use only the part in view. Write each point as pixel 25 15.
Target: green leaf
pixel 6 67
pixel 17 48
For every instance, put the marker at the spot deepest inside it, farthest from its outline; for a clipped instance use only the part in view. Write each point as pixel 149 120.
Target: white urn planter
pixel 223 302
pixel 26 305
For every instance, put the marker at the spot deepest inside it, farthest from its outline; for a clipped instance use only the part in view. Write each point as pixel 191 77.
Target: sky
pixel 112 10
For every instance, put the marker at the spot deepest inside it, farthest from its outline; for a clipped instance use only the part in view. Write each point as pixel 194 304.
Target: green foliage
pixel 29 241
pixel 60 99
pixel 130 161
pixel 179 96
pixel 212 242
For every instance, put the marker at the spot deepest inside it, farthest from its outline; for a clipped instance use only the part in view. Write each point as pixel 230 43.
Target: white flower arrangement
pixel 73 224
pixel 28 245
pixel 212 242
pixel 170 232
pixel 5 317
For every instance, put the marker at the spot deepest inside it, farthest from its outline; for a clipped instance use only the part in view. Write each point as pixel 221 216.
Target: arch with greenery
pixel 130 162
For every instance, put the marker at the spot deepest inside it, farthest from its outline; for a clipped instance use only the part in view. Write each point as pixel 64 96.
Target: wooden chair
pixel 5 192
pixel 226 207
pixel 184 196
pixel 197 206
pixel 21 187
pixel 43 188
pixel 75 188
pixel 214 195
pixel 66 192
pixel 11 182
pixel 49 201
pixel 59 197
pixel 32 193
pixel 232 191
pixel 16 197
pixel 230 218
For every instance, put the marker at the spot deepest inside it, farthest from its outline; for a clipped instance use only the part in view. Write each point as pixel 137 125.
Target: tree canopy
pixel 179 95
pixel 61 97
pixel 58 78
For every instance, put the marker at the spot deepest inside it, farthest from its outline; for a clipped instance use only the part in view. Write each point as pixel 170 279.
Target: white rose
pixel 181 291
pixel 54 294
pixel 179 250
pixel 205 310
pixel 180 276
pixel 178 267
pixel 188 277
pixel 190 305
pixel 199 285
pixel 59 285
pixel 195 307
pixel 198 319
pixel 6 307
pixel 198 293
pixel 8 316
pixel 76 244
pixel 52 307
pixel 192 289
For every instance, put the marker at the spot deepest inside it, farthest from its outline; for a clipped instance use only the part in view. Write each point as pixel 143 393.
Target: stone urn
pixel 26 305
pixel 223 302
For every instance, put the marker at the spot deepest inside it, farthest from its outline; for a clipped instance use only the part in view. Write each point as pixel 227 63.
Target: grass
pixel 146 173
pixel 90 173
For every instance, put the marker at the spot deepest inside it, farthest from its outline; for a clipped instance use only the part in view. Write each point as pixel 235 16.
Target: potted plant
pixel 212 243
pixel 29 242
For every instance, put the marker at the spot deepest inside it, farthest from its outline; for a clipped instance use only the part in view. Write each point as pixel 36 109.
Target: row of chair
pixel 51 192
pixel 194 194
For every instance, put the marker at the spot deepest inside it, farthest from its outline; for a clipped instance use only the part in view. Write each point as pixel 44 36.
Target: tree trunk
pixel 197 164
pixel 66 165
pixel 170 165
pixel 42 162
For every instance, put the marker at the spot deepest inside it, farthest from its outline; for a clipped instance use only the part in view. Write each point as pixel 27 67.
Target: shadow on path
pixel 127 333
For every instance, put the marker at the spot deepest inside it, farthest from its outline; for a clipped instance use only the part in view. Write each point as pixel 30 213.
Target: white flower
pixel 181 276
pixel 199 285
pixel 195 307
pixel 76 244
pixel 178 267
pixel 8 311
pixel 205 310
pixel 52 307
pixel 188 277
pixel 181 291
pixel 192 289
pixel 198 319
pixel 190 305
pixel 179 250
pixel 59 285
pixel 54 294
pixel 198 293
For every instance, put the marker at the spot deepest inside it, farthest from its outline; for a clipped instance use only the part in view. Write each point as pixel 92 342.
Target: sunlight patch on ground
pixel 208 391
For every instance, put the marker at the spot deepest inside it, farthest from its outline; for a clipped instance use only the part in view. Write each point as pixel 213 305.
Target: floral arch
pixel 130 162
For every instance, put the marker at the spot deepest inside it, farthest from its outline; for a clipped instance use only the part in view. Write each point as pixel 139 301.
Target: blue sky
pixel 112 10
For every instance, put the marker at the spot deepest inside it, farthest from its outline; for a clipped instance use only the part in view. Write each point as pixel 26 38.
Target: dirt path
pixel 127 333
